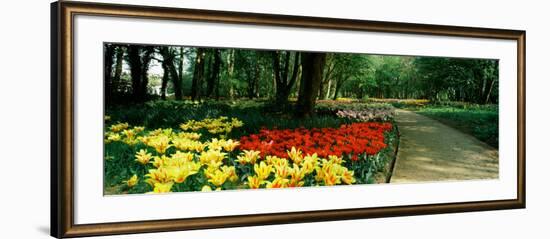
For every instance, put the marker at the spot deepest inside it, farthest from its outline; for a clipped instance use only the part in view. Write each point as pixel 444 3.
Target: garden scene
pixel 183 119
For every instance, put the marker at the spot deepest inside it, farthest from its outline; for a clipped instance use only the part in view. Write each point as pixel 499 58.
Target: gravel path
pixel 432 151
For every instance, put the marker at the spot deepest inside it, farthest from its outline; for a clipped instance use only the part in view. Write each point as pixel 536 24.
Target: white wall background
pixel 24 118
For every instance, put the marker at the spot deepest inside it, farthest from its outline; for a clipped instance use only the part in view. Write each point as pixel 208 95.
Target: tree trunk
pixel 215 73
pixel 145 59
pixel 135 70
pixel 257 74
pixel 321 92
pixel 252 78
pixel 165 78
pixel 337 89
pixel 118 69
pixel 326 77
pixel 328 90
pixel 489 90
pixel 198 75
pixel 312 74
pixel 171 72
pixel 108 70
pixel 177 80
pixel 283 81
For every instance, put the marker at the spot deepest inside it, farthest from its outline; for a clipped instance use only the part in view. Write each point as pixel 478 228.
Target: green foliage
pixel 457 79
pixel 254 114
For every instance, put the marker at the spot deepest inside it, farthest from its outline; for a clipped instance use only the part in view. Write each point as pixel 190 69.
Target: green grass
pixel 481 121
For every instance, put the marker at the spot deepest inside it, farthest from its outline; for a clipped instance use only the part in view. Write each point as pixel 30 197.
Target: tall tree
pixel 167 60
pixel 312 74
pixel 284 79
pixel 165 79
pixel 109 53
pixel 324 86
pixel 178 80
pixel 229 73
pixel 118 68
pixel 134 60
pixel 346 67
pixel 247 64
pixel 172 66
pixel 198 75
pixel 214 77
pixel 139 59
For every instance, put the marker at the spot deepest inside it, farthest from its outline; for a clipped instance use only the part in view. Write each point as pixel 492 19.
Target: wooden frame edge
pixel 54 122
pixel 62 202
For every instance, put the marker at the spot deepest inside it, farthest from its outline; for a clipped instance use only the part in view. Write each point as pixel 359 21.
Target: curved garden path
pixel 432 151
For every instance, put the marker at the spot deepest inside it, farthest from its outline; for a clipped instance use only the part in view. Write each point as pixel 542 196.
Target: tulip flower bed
pixel 201 155
pixel 351 139
pixel 358 111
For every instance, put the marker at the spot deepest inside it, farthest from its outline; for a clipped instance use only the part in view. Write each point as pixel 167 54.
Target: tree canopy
pixel 137 73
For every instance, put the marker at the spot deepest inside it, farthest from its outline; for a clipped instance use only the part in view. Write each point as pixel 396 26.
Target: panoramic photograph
pixel 185 119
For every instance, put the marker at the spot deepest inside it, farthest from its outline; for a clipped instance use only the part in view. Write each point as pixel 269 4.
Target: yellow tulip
pixel 231 172
pixel 295 155
pixel 281 170
pixel 276 161
pixel 159 175
pixel 144 139
pixel 187 125
pixel 206 188
pixel 236 123
pixel 155 132
pixel 312 158
pixel 160 161
pixel 248 156
pixel 197 146
pixel 254 182
pixel 179 174
pixel 111 137
pixel 230 145
pixel 296 173
pixel 189 135
pixel 119 127
pixel 138 129
pixel 335 159
pixel 132 181
pixel 211 156
pixel 214 126
pixel 163 187
pixel 347 176
pixel 143 157
pixel 167 132
pixel 263 170
pixel 331 179
pixel 179 158
pixel 161 143
pixel 278 183
pixel 182 143
pixel 215 144
pixel 294 184
pixel 130 141
pixel 328 174
pixel 218 178
pixel 130 134
pixel 269 159
pixel 309 164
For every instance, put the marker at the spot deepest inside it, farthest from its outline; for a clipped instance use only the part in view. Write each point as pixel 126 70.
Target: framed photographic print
pixel 173 119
